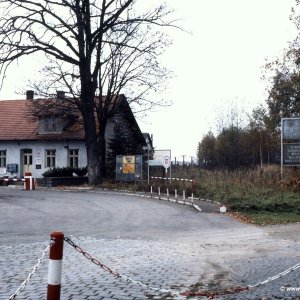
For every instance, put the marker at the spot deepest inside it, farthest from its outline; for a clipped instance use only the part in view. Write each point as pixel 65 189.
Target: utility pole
pixel 192 160
pixel 183 156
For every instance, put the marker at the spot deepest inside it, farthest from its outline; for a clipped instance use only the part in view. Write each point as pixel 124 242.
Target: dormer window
pixel 51 124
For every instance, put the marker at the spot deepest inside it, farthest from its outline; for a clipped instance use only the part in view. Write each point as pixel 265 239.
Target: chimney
pixel 60 94
pixel 29 95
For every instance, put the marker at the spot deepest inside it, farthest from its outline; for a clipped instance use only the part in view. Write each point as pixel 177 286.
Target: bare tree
pixel 94 49
pixel 230 114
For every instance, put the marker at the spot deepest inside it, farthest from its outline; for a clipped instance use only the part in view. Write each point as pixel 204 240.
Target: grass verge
pixel 257 197
pixel 270 218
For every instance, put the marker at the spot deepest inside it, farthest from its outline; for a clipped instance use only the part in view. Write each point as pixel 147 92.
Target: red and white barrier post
pixel 55 266
pixel 29 182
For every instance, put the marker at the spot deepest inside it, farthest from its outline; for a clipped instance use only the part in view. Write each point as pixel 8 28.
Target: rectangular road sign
pixel 160 158
pixel 291 154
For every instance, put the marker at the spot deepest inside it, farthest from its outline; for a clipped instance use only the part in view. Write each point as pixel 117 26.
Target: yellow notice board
pixel 129 164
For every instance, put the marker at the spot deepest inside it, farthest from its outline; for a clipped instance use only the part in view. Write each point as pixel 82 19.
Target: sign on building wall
pixel 38 160
pixel 129 167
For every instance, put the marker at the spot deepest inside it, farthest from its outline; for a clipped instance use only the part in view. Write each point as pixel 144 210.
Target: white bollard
pixel 223 209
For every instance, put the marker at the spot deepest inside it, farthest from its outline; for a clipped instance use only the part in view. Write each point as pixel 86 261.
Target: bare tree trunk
pixel 261 157
pixel 91 141
pixel 93 159
pixel 96 150
pixel 102 150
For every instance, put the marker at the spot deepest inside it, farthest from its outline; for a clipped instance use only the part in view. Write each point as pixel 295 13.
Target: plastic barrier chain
pixel 30 275
pixel 208 294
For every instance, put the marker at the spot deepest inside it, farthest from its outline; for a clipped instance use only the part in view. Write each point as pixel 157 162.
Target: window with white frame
pixel 73 158
pixel 50 158
pixel 2 158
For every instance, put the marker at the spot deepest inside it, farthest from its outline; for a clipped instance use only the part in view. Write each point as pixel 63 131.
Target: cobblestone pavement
pixel 222 254
pixel 164 264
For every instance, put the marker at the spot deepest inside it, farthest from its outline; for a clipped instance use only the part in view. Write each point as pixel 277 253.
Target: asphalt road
pixel 161 243
pixel 32 215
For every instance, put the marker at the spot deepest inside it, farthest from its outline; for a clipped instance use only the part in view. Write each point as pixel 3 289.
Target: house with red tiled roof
pixel 31 143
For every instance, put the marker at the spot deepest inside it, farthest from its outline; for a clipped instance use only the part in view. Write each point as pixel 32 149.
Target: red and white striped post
pixel 29 182
pixel 55 266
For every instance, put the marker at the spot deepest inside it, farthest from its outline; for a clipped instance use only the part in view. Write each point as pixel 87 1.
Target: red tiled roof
pixel 17 123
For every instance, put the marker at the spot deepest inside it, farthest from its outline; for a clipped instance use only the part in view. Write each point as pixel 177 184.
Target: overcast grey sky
pixel 219 62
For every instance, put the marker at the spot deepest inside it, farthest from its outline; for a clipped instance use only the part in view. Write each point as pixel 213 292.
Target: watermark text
pixel 290 288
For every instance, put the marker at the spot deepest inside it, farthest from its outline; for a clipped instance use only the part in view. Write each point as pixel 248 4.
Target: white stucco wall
pixel 14 154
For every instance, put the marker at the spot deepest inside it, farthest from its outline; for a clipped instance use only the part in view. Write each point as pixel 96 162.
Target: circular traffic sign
pixel 166 161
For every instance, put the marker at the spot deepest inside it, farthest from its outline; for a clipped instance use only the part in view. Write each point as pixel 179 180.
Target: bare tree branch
pixel 96 49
